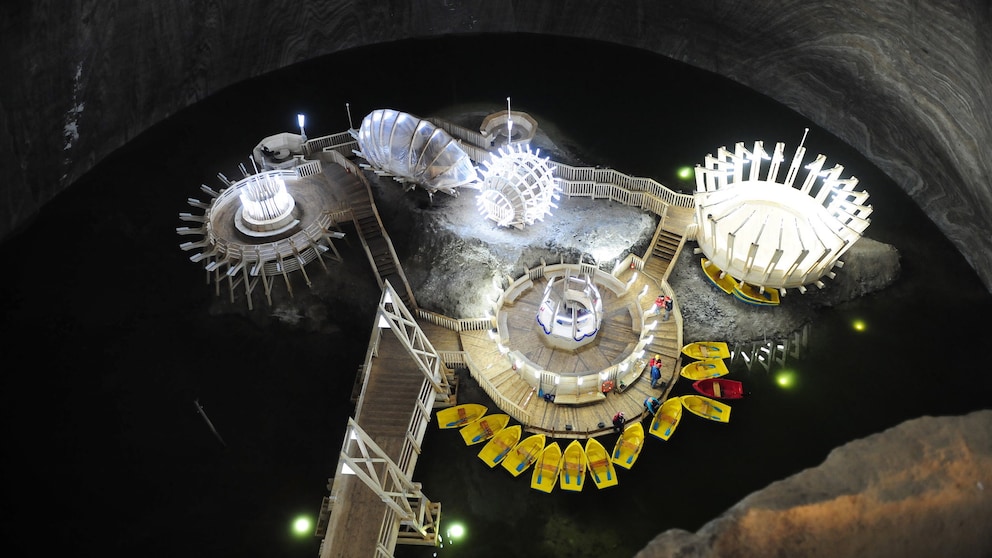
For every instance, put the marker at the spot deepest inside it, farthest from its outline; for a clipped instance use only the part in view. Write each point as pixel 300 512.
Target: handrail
pixel 505 404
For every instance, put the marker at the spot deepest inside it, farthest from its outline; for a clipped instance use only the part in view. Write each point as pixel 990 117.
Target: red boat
pixel 720 388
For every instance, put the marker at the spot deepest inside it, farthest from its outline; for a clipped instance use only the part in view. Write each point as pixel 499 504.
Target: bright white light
pixel 517 187
pixel 346 470
pixel 383 322
pixel 301 119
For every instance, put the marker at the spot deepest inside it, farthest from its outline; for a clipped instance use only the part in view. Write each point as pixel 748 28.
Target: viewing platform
pixel 584 387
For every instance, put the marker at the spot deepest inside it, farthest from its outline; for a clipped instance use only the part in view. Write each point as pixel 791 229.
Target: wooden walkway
pixel 389 400
pixel 359 517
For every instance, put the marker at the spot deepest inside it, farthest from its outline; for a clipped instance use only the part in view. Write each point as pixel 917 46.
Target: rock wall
pixel 905 83
pixel 920 489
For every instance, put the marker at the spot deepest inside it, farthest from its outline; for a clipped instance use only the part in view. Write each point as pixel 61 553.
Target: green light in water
pixel 859 325
pixel 785 379
pixel 685 173
pixel 301 526
pixel 456 531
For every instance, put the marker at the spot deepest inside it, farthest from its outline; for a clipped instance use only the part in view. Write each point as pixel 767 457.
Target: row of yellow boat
pixel 570 468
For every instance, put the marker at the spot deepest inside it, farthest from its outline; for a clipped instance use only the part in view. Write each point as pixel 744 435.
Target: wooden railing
pixel 455 359
pixel 610 184
pixel 454 324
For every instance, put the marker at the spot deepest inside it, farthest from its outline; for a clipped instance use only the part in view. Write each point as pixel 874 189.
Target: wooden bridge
pixel 408 371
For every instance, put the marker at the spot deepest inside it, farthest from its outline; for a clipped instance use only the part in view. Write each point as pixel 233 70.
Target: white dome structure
pixel 518 187
pixel 414 151
pixel 775 232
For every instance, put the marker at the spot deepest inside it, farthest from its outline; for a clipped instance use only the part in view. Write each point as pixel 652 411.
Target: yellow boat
pixel 484 428
pixel 460 415
pixel 573 467
pixel 546 468
pixel 628 445
pixel 754 295
pixel 600 466
pixel 524 454
pixel 501 444
pixel 723 281
pixel 707 408
pixel 707 349
pixel 706 368
pixel 667 418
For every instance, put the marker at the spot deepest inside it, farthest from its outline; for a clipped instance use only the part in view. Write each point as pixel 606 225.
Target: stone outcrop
pixel 920 489
pixel 709 313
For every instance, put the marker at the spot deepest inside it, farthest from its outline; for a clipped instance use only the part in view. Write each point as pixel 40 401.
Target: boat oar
pixel 501 455
pixel 633 452
pixel 540 473
pixel 527 459
pixel 486 432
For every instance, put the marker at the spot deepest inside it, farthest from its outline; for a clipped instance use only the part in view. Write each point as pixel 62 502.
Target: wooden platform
pixel 588 413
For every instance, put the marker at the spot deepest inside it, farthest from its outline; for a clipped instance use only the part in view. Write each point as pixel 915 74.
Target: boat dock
pixel 413 355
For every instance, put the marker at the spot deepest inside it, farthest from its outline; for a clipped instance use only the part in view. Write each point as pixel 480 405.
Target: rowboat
pixel 484 428
pixel 707 408
pixel 546 468
pixel 667 418
pixel 753 295
pixel 706 349
pixel 721 388
pixel 524 454
pixel 573 467
pixel 628 446
pixel 706 368
pixel 460 415
pixel 723 281
pixel 604 474
pixel 500 445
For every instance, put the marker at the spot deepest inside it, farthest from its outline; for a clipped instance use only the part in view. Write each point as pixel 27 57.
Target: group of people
pixel 650 403
pixel 664 302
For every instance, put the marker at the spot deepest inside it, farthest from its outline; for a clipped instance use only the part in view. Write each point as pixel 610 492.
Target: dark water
pixel 109 335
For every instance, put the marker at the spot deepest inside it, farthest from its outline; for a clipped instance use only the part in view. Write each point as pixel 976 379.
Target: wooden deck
pixel 388 400
pixel 590 415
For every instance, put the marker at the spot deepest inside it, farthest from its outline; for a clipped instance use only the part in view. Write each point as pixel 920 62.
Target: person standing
pixel 659 303
pixel 669 304
pixel 651 404
pixel 618 420
pixel 655 370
